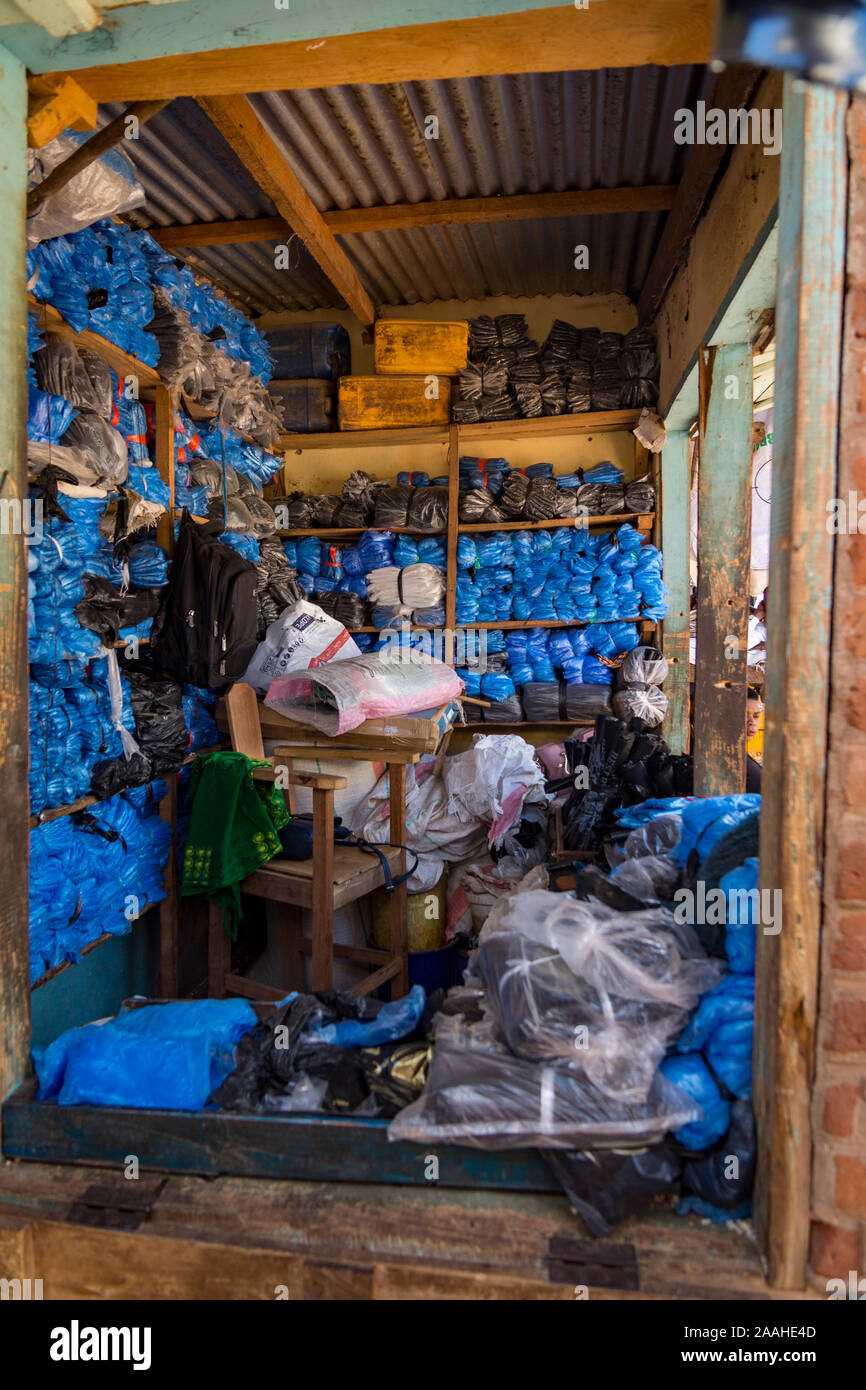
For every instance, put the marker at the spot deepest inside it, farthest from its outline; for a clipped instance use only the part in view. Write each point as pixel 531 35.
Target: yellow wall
pixel 323 470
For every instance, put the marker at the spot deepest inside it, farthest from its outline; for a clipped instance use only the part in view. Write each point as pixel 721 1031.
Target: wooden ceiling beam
pixel 734 88
pixel 239 125
pixel 558 38
pixel 450 212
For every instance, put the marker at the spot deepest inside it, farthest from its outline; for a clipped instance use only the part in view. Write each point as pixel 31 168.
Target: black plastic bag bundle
pixel 114 775
pixel 61 370
pixel 579 394
pixel 513 497
pixel 589 499
pixel 707 1176
pixel 205 473
pixel 357 486
pixel 105 610
pixel 470 381
pixel 465 413
pixel 588 347
pixel 529 401
pixel 506 330
pixel 607 386
pixel 478 505
pixel 234 512
pixel 563 340
pixel 428 509
pixel 526 369
pixel 160 727
pixel 554 701
pixel 508 711
pixel 640 372
pixel 553 395
pixel 104 445
pixel 610 345
pixel 299 510
pixel 349 609
pixel 497 407
pixel 611 499
pixel 607 1186
pixel 540 504
pixel 325 510
pixel 640 495
pixel 640 340
pixel 392 506
pixel 565 503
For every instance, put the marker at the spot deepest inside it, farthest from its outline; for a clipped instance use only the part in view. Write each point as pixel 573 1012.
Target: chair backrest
pixel 245 728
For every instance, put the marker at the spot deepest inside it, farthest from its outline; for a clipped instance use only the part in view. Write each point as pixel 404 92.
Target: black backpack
pixel 209 631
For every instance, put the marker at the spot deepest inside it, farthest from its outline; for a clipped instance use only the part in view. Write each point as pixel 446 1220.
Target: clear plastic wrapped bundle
pixel 641 702
pixel 478 1094
pixel 428 509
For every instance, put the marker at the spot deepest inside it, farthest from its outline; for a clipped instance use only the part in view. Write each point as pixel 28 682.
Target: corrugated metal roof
pixel 364 146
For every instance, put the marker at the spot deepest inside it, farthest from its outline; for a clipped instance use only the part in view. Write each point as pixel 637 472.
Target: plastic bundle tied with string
pixel 92 874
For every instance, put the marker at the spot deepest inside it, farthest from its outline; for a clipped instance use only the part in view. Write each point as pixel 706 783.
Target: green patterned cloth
pixel 232 829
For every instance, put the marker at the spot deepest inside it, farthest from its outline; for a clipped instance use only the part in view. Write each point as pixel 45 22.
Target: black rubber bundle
pixel 392 506
pixel 428 509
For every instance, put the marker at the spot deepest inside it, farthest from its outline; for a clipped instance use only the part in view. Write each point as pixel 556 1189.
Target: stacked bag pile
pixel 414 501
pixel 119 283
pixel 560 575
pixel 490 490
pixel 383 580
pixel 509 376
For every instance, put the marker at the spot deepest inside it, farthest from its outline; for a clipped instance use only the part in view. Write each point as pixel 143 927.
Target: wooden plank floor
pixel 242 1238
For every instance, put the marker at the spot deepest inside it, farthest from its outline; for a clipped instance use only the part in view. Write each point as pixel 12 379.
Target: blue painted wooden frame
pixel 320 1148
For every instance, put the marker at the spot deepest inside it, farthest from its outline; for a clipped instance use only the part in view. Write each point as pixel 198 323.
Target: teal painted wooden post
pixel 724 544
pixel 812 222
pixel 675 548
pixel 14 835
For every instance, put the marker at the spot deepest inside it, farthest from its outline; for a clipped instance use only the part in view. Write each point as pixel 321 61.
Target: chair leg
pixel 323 889
pixel 291 956
pixel 399 898
pixel 219 953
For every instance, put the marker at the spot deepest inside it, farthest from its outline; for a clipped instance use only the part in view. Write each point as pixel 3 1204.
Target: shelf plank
pixel 546 427
pixel 643 519
pixel 124 363
pixel 347 531
pixel 550 426
pixel 516 624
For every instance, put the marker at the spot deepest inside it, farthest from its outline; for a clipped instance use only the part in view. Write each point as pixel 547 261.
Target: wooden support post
pixel 675 548
pixel 14 832
pixel 399 904
pixel 168 908
pixel 453 526
pixel 323 889
pixel 809 306
pixel 724 546
pixel 219 953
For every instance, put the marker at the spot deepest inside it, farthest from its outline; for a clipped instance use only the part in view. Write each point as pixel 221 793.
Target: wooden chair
pixel 335 876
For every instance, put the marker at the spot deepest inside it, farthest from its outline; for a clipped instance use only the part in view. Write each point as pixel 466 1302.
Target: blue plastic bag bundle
pixel 495 686
pixel 309 556
pixel 57 561
pixel 634 816
pixel 59 772
pixel 740 887
pixel 707 818
pixel 489 473
pixel 144 479
pixel 431 552
pixel 722 1027
pixel 161 1056
pixel 604 473
pixel 375 551
pixel 198 711
pixel 393 1021
pixel 364 641
pixel 256 463
pixel 466 609
pixel 429 617
pixel 132 423
pixel 539 470
pixel 331 563
pixel 467 554
pixel 84 884
pixel 148 565
pixel 186 494
pixel 405 551
pixel 208 441
pixel 48 417
pixel 471 680
pixel 290 550
pixel 493 550
pixel 245 545
pixel 594 672
pixel 691 1073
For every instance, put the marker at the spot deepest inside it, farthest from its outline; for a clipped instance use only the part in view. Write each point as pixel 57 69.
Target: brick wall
pixel 839 1114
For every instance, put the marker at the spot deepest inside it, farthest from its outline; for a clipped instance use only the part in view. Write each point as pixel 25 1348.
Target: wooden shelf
pixel 516 624
pixel 527 724
pixel 644 520
pixel 328 532
pixel 124 364
pixel 546 426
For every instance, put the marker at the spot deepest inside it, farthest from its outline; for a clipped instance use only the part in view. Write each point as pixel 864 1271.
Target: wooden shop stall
pixel 297 175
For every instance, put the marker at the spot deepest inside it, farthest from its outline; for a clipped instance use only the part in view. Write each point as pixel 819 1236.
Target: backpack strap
pixel 356 842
